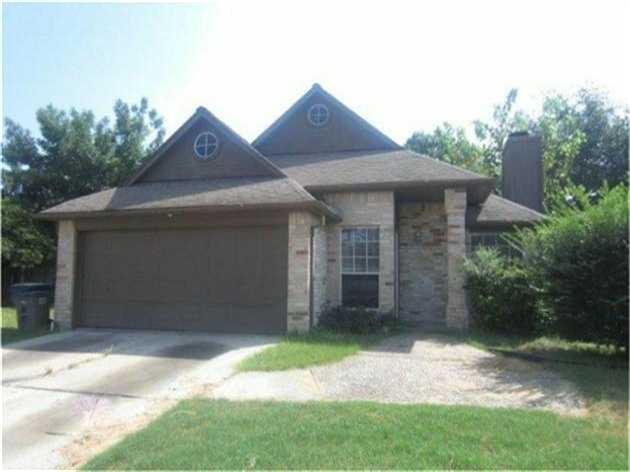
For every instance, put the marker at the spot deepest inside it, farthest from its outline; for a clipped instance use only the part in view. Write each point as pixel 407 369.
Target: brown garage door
pixel 223 280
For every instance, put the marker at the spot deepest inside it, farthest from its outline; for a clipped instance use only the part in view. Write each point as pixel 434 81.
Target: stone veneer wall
pixel 66 267
pixel 422 261
pixel 299 271
pixel 457 308
pixel 363 209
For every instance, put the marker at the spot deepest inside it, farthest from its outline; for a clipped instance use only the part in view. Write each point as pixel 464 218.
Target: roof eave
pixel 500 225
pixel 484 184
pixel 313 205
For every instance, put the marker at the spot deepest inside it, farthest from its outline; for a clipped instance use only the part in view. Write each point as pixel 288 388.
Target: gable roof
pixel 203 114
pixel 233 194
pixel 366 170
pixel 497 211
pixel 316 89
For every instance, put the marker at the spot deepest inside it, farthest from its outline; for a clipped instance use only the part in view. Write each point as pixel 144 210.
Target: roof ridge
pixel 328 153
pixel 447 164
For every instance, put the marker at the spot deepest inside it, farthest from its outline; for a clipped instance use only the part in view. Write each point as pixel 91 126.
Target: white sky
pixel 403 65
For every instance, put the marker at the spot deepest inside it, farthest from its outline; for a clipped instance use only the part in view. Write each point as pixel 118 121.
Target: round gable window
pixel 206 145
pixel 318 115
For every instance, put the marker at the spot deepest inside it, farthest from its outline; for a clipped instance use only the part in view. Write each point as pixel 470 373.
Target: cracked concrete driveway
pixel 416 368
pixel 69 395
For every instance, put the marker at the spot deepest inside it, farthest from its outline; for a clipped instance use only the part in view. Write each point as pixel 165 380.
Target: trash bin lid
pixel 17 289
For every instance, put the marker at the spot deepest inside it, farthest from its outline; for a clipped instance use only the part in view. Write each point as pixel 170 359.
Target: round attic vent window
pixel 206 145
pixel 318 115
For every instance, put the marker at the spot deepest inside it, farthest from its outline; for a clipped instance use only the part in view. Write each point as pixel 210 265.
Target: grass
pixel 10 331
pixel 600 373
pixel 304 350
pixel 205 434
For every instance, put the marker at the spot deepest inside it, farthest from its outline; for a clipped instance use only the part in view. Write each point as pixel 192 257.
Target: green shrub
pixel 502 298
pixel 358 320
pixel 578 261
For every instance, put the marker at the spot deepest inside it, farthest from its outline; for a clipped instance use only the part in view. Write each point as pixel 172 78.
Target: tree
pixel 603 156
pixel 449 144
pixel 584 138
pixel 492 135
pixel 24 244
pixel 75 155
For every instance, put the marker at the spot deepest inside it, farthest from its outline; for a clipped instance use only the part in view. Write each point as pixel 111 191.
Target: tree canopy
pixel 75 155
pixel 585 141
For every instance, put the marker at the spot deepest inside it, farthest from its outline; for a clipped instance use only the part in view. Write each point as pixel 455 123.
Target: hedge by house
pixel 578 261
pixel 572 280
pixel 502 297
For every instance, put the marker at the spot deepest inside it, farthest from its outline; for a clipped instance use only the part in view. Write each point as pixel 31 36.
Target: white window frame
pixel 341 269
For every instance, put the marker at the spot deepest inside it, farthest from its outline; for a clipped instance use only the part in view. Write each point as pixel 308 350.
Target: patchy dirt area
pixel 417 368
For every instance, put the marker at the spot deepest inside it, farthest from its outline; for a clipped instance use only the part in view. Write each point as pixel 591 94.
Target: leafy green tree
pixel 584 138
pixel 449 144
pixel 492 135
pixel 25 245
pixel 75 155
pixel 603 155
pixel 562 139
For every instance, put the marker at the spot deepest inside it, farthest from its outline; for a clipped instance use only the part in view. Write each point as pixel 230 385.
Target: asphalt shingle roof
pixel 218 193
pixel 497 211
pixel 321 171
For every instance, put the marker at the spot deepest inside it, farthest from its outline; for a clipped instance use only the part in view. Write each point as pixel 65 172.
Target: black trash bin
pixel 32 302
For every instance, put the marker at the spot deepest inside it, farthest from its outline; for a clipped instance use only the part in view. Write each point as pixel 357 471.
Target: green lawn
pixel 206 434
pixel 10 333
pixel 599 372
pixel 315 348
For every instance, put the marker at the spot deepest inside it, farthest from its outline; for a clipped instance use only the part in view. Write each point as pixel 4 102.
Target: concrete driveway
pixel 67 396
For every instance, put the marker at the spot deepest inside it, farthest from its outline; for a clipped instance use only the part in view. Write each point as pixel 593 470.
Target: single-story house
pixel 217 234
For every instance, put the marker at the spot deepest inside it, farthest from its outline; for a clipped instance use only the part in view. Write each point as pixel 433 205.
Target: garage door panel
pixel 224 280
pixel 219 267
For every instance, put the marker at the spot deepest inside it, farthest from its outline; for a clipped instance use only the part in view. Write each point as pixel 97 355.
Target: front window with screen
pixel 206 146
pixel 360 267
pixel 318 115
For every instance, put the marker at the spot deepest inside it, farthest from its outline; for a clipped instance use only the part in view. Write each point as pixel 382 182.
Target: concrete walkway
pixel 68 396
pixel 416 368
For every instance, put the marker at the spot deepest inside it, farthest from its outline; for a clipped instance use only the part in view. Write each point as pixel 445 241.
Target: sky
pixel 403 66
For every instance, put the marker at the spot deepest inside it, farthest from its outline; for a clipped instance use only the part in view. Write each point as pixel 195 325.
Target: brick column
pixel 456 310
pixel 299 272
pixel 320 271
pixel 66 267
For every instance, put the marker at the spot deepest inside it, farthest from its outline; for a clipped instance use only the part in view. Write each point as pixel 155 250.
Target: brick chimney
pixel 522 172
